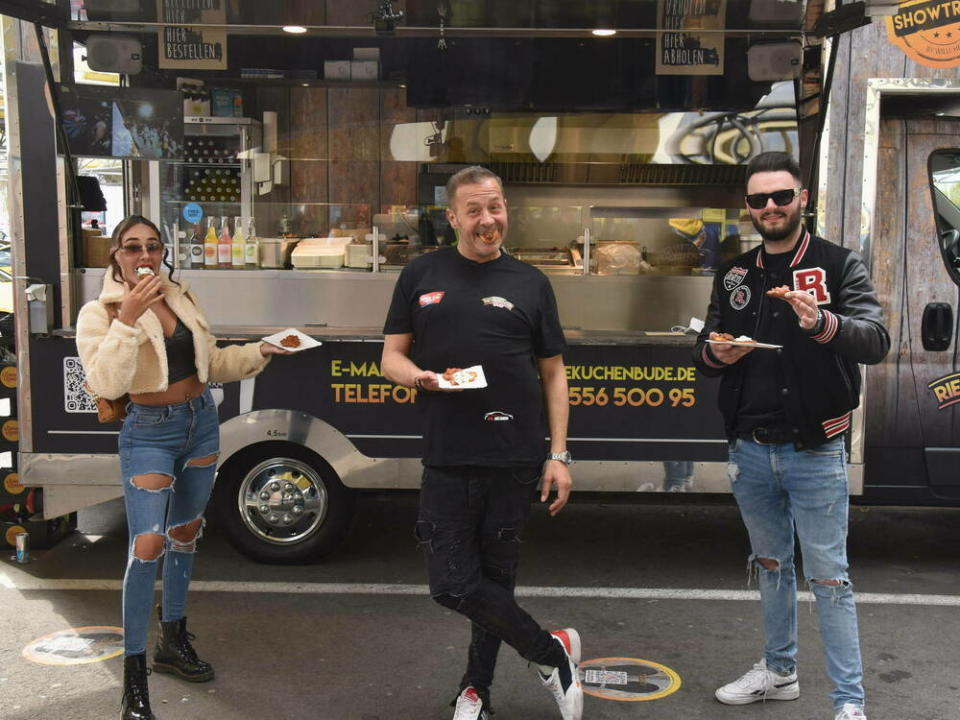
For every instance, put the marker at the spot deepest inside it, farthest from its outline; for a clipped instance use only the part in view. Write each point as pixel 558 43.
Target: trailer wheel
pixel 281 503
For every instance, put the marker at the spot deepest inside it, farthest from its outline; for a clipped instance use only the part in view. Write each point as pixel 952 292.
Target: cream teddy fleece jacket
pixel 118 359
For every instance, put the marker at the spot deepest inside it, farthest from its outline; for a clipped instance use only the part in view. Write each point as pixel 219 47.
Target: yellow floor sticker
pixel 627 679
pixel 76 646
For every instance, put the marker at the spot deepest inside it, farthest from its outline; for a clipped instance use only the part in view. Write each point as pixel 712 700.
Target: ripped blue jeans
pixel 172 449
pixel 470 525
pixel 781 490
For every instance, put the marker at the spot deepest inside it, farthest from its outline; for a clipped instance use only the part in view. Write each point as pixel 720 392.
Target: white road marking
pixel 27 583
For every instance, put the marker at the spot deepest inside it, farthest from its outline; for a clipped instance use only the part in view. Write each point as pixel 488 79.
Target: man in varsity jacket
pixel 786 410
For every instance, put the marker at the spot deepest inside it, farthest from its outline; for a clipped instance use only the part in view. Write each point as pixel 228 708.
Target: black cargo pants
pixel 470 525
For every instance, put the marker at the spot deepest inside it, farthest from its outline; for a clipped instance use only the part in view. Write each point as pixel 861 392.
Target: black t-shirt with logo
pixel 500 314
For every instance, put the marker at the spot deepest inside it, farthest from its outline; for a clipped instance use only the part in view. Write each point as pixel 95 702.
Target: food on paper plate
pixel 743 338
pixel 721 337
pixel 779 292
pixel 290 341
pixel 144 271
pixel 458 376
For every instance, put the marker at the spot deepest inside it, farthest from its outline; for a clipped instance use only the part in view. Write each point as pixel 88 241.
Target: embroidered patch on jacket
pixel 734 277
pixel 431 298
pixel 498 302
pixel 740 298
pixel 813 281
pixel 497 416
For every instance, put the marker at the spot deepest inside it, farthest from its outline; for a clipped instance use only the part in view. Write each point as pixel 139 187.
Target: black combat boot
pixel 175 655
pixel 136 700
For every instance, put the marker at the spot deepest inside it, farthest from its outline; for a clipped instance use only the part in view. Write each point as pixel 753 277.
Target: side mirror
pixel 944 168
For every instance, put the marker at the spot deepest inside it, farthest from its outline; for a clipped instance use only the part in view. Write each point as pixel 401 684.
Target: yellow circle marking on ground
pixel 672 686
pixel 76 646
pixel 11 534
pixel 8 376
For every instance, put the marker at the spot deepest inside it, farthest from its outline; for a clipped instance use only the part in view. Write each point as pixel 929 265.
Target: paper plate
pixel 306 342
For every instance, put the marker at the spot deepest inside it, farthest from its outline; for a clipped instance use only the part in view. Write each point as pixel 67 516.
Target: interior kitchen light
pixel 295 29
pixel 604 32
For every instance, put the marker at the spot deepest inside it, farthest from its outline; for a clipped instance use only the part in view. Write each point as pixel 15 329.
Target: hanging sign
pixel 184 45
pixel 928 31
pixel 688 43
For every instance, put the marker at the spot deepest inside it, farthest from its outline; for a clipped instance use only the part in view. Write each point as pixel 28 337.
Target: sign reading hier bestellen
pixel 185 43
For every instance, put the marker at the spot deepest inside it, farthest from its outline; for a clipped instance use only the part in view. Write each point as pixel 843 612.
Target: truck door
pixel 912 409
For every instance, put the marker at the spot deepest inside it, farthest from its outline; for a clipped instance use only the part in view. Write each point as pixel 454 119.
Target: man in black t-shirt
pixel 485 450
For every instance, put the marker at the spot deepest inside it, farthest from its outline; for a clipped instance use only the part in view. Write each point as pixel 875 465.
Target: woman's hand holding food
pixel 144 294
pixel 268 349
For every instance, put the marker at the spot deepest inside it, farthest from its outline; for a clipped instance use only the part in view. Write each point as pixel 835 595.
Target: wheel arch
pixel 352 467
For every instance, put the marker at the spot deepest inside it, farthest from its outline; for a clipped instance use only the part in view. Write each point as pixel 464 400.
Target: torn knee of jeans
pixel 830 589
pixel 152 482
pixel 424 531
pixel 509 535
pixel 770 564
pixel 183 538
pixel 205 461
pixel 147 547
pixel 756 563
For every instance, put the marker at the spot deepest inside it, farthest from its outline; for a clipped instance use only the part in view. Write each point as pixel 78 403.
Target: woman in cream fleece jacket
pixel 146 336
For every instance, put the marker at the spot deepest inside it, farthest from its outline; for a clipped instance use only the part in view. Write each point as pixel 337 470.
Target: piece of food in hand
pixel 490 236
pixel 721 337
pixel 779 292
pixel 144 271
pixel 290 341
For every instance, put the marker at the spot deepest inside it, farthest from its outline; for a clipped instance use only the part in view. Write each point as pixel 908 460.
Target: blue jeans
pixel 163 440
pixel 470 524
pixel 781 490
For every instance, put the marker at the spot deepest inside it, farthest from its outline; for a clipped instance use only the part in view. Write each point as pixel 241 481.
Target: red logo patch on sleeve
pixel 431 298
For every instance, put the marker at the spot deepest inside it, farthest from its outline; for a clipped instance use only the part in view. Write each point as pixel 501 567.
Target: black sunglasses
pixel 758 201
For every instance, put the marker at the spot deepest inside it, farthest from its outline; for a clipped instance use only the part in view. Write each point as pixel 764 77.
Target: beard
pixel 779 233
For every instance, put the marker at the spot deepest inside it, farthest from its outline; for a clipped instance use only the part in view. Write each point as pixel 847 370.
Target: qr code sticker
pixel 75 398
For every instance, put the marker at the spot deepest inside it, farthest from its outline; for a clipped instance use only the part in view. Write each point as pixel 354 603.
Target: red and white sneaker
pixel 564 682
pixel 469 705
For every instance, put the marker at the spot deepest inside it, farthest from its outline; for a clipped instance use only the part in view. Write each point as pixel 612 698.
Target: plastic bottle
pixel 210 244
pixel 252 248
pixel 239 249
pixel 225 246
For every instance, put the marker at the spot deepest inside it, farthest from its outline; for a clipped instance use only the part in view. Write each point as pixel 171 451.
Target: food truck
pixel 295 157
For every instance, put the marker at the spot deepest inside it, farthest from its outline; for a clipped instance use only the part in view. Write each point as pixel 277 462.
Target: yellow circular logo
pixel 11 534
pixel 76 646
pixel 8 376
pixel 11 431
pixel 928 31
pixel 12 484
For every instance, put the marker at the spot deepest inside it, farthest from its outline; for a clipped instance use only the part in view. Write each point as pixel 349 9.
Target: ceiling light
pixel 604 32
pixel 295 29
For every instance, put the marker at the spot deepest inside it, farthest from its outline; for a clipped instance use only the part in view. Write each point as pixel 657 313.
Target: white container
pixel 336 69
pixel 358 255
pixel 364 70
pixel 319 253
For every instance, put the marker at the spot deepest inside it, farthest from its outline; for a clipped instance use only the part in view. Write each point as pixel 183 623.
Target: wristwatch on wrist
pixel 565 457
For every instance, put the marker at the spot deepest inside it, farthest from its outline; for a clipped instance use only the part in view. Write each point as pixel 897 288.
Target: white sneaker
pixel 850 712
pixel 758 683
pixel 469 706
pixel 564 683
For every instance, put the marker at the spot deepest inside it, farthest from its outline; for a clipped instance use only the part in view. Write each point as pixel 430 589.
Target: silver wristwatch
pixel 565 457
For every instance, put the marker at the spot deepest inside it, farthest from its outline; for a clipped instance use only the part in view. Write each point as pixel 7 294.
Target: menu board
pixel 692 39
pixel 185 45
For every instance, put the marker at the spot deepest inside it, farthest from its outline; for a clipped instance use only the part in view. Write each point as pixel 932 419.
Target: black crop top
pixel 181 356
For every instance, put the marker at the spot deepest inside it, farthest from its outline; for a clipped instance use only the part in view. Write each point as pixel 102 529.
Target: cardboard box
pixel 336 69
pixel 96 250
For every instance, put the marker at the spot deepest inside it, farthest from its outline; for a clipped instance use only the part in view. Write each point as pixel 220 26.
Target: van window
pixel 944 166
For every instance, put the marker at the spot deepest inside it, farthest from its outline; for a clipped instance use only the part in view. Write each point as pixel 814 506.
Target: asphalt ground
pixel 356 637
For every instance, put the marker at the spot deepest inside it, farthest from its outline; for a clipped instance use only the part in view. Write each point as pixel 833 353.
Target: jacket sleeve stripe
pixel 830 327
pixel 708 358
pixel 835 426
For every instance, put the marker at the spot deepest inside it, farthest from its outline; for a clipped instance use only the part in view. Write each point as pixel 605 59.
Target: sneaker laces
pixel 755 675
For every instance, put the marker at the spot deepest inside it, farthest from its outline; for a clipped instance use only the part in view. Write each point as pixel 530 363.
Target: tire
pixel 283 504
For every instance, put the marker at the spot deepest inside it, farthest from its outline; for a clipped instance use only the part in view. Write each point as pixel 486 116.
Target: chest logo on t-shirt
pixel 734 277
pixel 498 302
pixel 740 297
pixel 813 281
pixel 431 298
pixel 498 416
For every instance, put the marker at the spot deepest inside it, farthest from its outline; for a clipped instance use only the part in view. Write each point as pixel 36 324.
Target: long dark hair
pixel 118 232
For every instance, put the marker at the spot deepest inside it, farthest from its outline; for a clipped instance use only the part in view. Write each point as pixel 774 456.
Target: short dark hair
pixel 773 161
pixel 473 175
